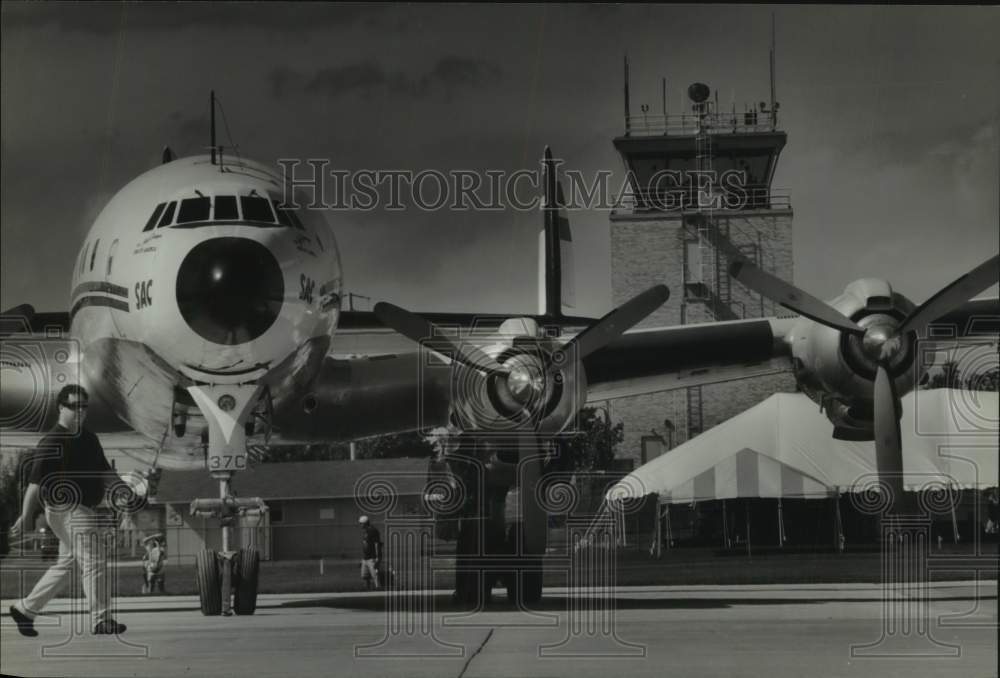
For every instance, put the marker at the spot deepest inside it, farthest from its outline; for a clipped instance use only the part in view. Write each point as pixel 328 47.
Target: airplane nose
pixel 230 290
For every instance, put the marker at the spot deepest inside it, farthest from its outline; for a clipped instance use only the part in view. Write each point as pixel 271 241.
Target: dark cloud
pixel 448 75
pixel 105 17
pixel 361 77
pixel 283 81
pixel 453 71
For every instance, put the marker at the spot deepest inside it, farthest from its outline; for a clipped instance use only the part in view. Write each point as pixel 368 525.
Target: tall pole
pixel 665 118
pixel 212 123
pixel 774 117
pixel 627 112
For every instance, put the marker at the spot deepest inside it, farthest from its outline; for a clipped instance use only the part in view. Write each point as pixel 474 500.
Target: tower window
pixel 692 261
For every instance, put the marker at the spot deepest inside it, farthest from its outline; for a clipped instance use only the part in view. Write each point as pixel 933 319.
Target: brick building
pixel 313 507
pixel 699 195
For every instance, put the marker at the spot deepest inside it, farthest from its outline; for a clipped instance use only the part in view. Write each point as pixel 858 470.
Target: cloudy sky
pixel 892 117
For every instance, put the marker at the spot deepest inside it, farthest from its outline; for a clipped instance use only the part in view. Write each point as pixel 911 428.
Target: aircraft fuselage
pixel 192 274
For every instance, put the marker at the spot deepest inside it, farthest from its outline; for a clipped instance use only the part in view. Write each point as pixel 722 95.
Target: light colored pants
pixel 84 537
pixel 369 571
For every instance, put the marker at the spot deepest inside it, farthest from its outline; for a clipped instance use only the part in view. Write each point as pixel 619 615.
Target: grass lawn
pixel 686 566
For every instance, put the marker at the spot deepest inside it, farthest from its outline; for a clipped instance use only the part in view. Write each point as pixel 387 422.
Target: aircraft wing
pixel 658 359
pixel 650 360
pixel 33 368
pixel 24 319
pixel 376 381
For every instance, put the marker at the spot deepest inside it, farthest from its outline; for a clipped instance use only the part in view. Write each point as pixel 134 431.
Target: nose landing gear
pixel 227 579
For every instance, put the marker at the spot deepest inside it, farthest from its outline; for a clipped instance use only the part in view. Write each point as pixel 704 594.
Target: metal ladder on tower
pixel 703 164
pixel 695 421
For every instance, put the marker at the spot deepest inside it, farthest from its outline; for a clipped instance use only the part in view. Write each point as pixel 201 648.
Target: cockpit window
pixel 287 218
pixel 194 209
pixel 154 217
pixel 225 208
pixel 295 220
pixel 256 208
pixel 168 215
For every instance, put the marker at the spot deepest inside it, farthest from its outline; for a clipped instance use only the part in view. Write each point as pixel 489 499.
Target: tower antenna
pixel 774 120
pixel 664 94
pixel 627 113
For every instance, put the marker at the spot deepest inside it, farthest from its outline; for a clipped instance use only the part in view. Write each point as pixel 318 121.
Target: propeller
pixel 881 341
pixel 524 380
pixel 419 329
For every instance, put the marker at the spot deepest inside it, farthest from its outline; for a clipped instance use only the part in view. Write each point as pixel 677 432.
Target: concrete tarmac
pixel 775 631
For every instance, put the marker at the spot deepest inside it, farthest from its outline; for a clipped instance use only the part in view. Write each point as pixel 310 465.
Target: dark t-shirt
pixel 70 468
pixel 369 540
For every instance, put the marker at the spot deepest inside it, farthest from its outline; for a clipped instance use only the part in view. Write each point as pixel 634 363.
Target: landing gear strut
pixel 488 549
pixel 227 579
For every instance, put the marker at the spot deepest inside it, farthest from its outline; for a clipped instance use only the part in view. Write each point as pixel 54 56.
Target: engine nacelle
pixel 543 392
pixel 835 369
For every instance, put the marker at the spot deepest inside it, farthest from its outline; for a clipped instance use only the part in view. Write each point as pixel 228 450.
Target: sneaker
pixel 108 627
pixel 25 625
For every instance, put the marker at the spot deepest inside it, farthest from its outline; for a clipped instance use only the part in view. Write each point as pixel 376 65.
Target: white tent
pixel 783 447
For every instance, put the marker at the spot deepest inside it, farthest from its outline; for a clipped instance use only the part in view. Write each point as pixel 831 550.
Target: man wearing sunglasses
pixel 68 477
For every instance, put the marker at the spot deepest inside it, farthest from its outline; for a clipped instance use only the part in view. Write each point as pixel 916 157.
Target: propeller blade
pixel 419 329
pixel 791 297
pixel 615 323
pixel 955 294
pixel 888 447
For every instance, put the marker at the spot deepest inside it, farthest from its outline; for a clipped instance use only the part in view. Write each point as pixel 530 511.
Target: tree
pixel 391 446
pixel 594 447
pixel 321 452
pixel 394 446
pixel 11 473
pixel 986 381
pixel 951 376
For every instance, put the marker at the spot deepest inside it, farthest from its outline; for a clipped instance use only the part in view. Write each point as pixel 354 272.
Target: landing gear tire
pixel 246 570
pixel 209 583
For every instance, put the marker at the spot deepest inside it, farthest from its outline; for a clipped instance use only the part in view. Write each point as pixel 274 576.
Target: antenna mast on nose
pixel 212 123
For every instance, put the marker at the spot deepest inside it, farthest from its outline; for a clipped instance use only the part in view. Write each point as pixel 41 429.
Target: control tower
pixel 698 193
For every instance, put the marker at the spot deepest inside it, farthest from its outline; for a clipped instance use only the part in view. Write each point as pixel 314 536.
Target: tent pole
pixel 746 506
pixel 954 518
pixel 781 526
pixel 656 530
pixel 838 523
pixel 725 527
pixel 670 531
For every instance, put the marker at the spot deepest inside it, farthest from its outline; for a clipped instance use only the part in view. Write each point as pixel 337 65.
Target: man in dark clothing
pixel 68 477
pixel 371 553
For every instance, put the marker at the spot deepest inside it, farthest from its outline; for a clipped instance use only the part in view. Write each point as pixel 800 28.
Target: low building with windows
pixel 313 507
